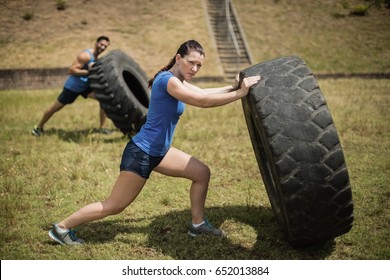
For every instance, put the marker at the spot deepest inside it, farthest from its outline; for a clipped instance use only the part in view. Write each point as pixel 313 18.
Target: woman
pixel 151 148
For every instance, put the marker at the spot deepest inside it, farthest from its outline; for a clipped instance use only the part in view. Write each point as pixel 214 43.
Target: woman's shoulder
pixel 163 76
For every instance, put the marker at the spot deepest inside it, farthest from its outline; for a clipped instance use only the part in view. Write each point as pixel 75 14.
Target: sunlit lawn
pixel 43 180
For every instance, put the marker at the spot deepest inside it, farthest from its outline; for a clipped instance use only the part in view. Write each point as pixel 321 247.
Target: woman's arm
pixel 220 90
pixel 198 97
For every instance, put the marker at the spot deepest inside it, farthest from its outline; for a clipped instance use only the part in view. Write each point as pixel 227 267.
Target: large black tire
pixel 121 87
pixel 298 152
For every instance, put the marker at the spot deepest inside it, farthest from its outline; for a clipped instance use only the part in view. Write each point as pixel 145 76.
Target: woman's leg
pixel 125 190
pixel 177 163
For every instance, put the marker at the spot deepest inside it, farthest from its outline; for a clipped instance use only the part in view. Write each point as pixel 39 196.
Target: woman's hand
pixel 236 84
pixel 247 83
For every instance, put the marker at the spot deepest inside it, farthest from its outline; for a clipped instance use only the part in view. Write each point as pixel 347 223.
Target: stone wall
pixel 55 77
pixel 32 78
pixel 49 78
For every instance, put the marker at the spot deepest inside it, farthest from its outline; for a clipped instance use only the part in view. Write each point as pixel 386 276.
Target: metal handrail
pixel 230 27
pixel 231 31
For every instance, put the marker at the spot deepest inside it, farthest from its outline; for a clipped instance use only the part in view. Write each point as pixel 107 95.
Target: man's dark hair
pixel 102 38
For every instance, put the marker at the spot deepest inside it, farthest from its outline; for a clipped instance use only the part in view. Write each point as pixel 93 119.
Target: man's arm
pixel 76 68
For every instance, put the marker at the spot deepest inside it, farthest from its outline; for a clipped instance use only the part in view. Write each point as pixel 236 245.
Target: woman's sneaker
pixel 207 228
pixel 64 236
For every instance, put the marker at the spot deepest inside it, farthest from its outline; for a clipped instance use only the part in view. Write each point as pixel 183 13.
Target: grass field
pixel 43 180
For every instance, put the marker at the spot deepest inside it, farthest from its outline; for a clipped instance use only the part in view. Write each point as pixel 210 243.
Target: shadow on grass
pixel 168 234
pixel 79 136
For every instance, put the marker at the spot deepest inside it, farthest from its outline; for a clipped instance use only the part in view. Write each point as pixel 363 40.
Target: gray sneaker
pixel 36 131
pixel 205 228
pixel 105 131
pixel 64 236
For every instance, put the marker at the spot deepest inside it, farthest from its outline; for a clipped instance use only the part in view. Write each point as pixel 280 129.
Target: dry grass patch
pixel 149 31
pixel 309 29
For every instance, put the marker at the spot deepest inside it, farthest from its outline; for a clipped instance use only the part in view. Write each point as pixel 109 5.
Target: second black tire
pixel 121 87
pixel 298 152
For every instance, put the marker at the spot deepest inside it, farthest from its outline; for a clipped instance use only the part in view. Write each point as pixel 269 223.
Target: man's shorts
pixel 67 96
pixel 137 161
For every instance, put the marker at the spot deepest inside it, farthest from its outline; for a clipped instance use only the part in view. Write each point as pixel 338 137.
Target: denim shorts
pixel 67 96
pixel 137 161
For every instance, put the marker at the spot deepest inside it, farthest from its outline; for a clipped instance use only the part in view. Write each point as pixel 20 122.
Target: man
pixel 77 84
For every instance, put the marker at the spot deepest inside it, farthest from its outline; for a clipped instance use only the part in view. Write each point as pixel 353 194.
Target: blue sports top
pixel 79 83
pixel 156 135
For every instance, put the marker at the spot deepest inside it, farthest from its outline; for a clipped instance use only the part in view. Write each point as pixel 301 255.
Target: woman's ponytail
pixel 165 68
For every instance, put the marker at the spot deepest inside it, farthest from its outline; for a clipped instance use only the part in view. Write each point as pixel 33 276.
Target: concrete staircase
pixel 234 56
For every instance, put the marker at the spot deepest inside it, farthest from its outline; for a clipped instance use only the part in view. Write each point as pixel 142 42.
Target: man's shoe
pixel 36 131
pixel 207 228
pixel 105 131
pixel 64 236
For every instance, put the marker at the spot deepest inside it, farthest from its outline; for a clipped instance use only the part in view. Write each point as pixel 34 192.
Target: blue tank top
pixel 156 135
pixel 79 83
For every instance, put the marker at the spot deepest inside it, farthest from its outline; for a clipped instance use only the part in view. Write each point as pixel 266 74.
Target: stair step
pixel 231 63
